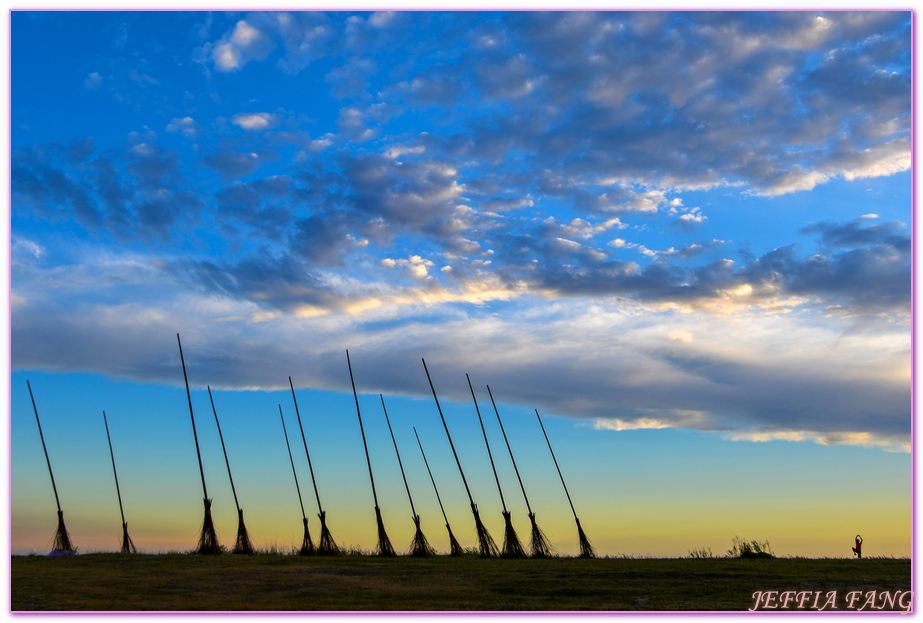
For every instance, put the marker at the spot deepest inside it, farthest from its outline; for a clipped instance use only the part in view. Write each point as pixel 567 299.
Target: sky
pixel 684 238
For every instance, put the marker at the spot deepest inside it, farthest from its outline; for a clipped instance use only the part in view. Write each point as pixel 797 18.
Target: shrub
pixel 741 548
pixel 701 552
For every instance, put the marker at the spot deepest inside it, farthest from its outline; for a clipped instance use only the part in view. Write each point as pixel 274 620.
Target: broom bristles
pixel 420 547
pixel 539 544
pixel 486 545
pixel 586 550
pixel 62 542
pixel 128 547
pixel 512 547
pixel 455 548
pixel 326 546
pixel 384 543
pixel 243 545
pixel 307 545
pixel 208 540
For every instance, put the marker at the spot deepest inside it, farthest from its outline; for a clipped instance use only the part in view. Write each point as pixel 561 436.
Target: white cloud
pixel 93 81
pixel 255 121
pixel 186 125
pixel 354 123
pixel 878 161
pixel 578 227
pixel 889 443
pixel 399 150
pixel 381 19
pixel 243 44
pixel 23 246
pixel 415 265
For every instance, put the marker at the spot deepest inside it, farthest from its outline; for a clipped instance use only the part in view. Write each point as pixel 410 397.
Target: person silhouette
pixel 857 550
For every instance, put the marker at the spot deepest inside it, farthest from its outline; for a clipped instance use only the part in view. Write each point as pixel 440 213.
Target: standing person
pixel 857 550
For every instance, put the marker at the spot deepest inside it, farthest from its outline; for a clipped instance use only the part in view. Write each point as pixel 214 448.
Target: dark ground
pixel 361 583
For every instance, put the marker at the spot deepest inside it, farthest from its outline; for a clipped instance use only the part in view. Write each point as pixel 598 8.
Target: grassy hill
pixel 105 582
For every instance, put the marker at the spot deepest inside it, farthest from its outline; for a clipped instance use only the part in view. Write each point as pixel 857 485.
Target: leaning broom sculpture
pixel 419 547
pixel 61 545
pixel 384 543
pixel 242 545
pixel 128 547
pixel 326 546
pixel 486 545
pixel 208 539
pixel 586 550
pixel 512 548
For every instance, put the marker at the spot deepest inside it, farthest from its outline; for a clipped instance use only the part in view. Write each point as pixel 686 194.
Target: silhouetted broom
pixel 512 548
pixel 326 546
pixel 242 545
pixel 384 543
pixel 128 547
pixel 586 550
pixel 454 548
pixel 208 539
pixel 419 547
pixel 538 544
pixel 486 545
pixel 61 544
pixel 307 545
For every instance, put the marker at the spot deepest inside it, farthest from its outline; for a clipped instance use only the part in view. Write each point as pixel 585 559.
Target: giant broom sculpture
pixel 512 548
pixel 586 550
pixel 539 544
pixel 208 539
pixel 242 545
pixel 307 545
pixel 455 549
pixel 128 547
pixel 419 547
pixel 326 546
pixel 486 545
pixel 61 545
pixel 384 543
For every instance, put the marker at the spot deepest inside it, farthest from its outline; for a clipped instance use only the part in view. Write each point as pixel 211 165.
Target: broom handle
pixel 311 469
pixel 452 445
pixel 297 488
pixel 510 449
pixel 192 417
pixel 489 455
pixel 361 429
pixel 406 486
pixel 425 462
pixel 223 449
pixel 117 492
pixel 556 465
pixel 42 437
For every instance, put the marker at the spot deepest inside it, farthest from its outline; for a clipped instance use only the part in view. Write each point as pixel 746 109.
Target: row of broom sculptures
pixel 539 546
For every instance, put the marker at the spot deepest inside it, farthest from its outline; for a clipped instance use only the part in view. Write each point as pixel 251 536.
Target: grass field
pixel 274 582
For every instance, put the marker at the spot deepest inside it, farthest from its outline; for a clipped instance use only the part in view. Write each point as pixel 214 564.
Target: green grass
pixel 101 582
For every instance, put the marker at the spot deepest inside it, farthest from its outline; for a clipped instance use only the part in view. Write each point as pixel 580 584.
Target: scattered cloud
pixel 235 164
pixel 256 121
pixel 241 45
pixel 93 81
pixel 480 186
pixel 186 125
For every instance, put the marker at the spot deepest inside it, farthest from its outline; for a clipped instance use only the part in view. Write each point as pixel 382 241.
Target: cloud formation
pixel 591 209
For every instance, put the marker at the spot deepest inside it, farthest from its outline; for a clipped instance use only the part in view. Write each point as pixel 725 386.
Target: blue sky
pixel 678 235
